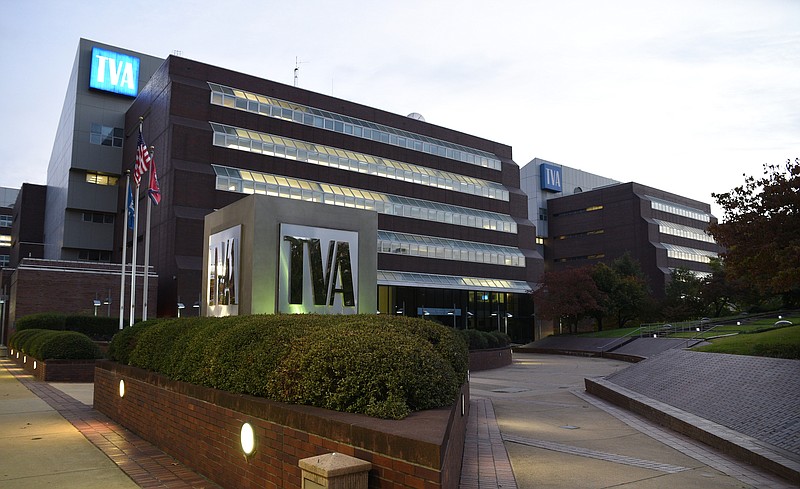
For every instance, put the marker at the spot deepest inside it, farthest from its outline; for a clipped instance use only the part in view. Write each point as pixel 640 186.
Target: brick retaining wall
pixel 489 359
pixel 200 427
pixel 56 370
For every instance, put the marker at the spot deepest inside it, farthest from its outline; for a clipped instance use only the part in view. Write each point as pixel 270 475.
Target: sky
pixel 684 96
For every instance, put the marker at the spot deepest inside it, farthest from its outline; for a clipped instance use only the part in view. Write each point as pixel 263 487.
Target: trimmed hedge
pixel 383 366
pixel 47 344
pixel 481 340
pixel 96 327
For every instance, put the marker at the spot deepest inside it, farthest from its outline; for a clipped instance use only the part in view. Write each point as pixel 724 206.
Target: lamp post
pixel 3 299
pixel 469 316
pixel 181 305
pixel 107 302
pixel 96 303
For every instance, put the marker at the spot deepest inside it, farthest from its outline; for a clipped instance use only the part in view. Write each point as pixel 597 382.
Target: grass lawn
pixel 778 343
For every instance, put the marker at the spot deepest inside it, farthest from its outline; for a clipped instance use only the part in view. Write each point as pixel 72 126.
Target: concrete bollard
pixel 334 471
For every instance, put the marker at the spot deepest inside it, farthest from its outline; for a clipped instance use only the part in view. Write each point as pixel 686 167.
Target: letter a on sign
pixel 114 72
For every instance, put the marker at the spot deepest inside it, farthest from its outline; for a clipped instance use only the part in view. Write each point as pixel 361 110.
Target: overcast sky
pixel 684 96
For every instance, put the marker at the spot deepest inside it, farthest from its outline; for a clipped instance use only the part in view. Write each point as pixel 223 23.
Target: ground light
pixel 121 388
pixel 248 439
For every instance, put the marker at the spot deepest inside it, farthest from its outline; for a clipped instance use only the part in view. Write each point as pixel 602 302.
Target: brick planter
pixel 56 370
pixel 489 359
pixel 200 427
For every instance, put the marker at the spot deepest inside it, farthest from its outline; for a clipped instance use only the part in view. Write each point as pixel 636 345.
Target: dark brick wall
pixel 489 359
pixel 200 427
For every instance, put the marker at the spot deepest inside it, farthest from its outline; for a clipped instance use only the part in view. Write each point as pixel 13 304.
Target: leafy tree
pixel 761 231
pixel 569 294
pixel 624 286
pixel 684 296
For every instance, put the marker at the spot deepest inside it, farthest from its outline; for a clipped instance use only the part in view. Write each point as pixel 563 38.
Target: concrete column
pixel 334 471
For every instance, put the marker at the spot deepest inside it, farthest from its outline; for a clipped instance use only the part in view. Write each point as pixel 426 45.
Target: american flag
pixel 142 160
pixel 154 191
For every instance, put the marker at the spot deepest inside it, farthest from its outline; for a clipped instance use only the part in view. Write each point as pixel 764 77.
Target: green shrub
pixel 34 344
pixel 371 369
pixel 500 339
pixel 95 327
pixel 20 337
pixel 25 341
pixel 376 365
pixel 124 341
pixel 44 320
pixel 69 345
pixel 477 340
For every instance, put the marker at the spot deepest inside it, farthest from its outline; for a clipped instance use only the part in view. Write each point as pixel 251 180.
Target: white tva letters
pixel 120 72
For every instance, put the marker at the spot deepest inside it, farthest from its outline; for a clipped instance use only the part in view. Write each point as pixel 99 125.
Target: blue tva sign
pixel 114 72
pixel 551 177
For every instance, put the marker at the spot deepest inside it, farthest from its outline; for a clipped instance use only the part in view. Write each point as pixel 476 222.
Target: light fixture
pixel 248 439
pixel 121 388
pixel 181 305
pixel 34 364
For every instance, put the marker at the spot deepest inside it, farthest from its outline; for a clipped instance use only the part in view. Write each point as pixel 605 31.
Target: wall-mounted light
pixel 34 364
pixel 121 388
pixel 248 439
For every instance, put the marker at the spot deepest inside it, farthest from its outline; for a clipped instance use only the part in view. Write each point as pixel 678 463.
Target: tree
pixel 570 294
pixel 684 296
pixel 760 231
pixel 624 291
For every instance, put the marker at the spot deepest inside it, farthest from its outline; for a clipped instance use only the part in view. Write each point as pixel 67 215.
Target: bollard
pixel 334 471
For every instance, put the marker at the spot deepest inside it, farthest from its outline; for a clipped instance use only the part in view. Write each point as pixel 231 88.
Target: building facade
pixel 660 230
pixel 454 241
pixel 84 171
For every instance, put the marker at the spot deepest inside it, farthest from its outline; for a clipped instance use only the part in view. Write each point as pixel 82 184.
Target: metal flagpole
pixel 133 253
pixel 147 248
pixel 124 251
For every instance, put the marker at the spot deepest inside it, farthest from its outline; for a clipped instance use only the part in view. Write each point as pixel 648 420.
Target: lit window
pixel 5 240
pixel 99 179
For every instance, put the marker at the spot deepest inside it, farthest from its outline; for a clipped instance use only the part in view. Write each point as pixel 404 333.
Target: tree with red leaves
pixel 761 231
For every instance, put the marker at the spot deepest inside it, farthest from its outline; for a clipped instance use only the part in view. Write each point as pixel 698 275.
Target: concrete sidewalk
pixel 51 436
pixel 557 436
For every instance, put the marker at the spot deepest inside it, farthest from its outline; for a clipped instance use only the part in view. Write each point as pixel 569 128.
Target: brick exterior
pixel 200 427
pixel 489 359
pixel 56 370
pixel 70 287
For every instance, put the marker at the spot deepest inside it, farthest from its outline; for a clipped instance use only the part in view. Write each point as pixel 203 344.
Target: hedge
pixel 96 327
pixel 383 366
pixel 51 345
pixel 481 340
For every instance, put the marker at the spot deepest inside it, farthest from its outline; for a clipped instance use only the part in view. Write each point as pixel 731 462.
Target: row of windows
pixel 6 220
pixel 579 211
pixel 580 235
pixel 678 210
pixel 99 217
pixel 689 254
pixel 596 256
pixel 106 136
pixel 317 154
pixel 250 182
pixel 411 279
pixel 98 179
pixel 448 249
pixel 322 119
pixel 94 255
pixel 683 231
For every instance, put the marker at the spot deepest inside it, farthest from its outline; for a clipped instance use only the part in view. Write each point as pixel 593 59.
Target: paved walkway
pixel 531 425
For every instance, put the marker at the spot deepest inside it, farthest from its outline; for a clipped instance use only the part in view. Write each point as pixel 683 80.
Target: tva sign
pixel 318 270
pixel 551 177
pixel 114 72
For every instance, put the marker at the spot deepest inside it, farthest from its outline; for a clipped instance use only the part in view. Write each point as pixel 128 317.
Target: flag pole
pixel 147 248
pixel 133 255
pixel 124 251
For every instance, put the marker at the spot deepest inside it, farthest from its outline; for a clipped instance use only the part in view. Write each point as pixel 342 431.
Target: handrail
pixel 603 347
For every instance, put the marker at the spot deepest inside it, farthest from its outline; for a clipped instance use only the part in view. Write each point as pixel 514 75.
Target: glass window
pixel 106 136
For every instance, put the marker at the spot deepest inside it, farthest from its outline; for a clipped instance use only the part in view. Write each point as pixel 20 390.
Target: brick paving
pixel 756 396
pixel 145 464
pixel 485 463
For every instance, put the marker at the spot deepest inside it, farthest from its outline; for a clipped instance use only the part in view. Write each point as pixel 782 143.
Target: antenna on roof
pixel 297 64
pixel 177 52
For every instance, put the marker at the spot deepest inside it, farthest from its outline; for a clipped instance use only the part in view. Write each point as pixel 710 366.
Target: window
pixel 98 217
pixel 4 260
pixel 99 179
pixel 5 221
pixel 106 136
pixel 542 214
pixel 5 240
pixel 94 255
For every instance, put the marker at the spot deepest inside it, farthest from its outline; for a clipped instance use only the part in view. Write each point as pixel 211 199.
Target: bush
pixel 95 327
pixel 68 345
pixel 46 344
pixel 44 320
pixel 125 340
pixel 377 365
